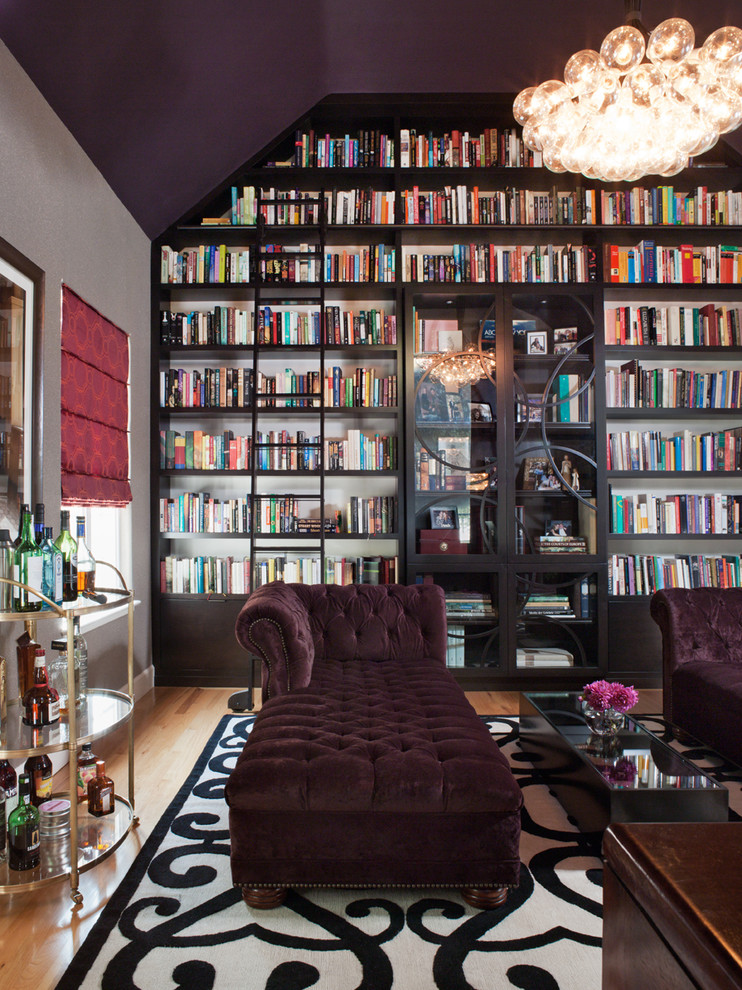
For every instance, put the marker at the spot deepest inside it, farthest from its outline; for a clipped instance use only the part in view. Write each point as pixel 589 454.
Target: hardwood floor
pixel 39 931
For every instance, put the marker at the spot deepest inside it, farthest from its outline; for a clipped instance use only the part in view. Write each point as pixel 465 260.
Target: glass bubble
pixel 552 160
pixel 723 44
pixel 583 72
pixel 623 48
pixel 606 93
pixel 646 84
pixel 730 74
pixel 551 93
pixel 523 104
pixel 670 41
pixel 531 138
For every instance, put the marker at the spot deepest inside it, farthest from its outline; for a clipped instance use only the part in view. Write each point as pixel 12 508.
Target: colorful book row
pixel 650 450
pixel 489 263
pixel 464 205
pixel 643 574
pixel 663 205
pixel 648 514
pixel 674 265
pixel 709 325
pixel 632 386
pixel 205 575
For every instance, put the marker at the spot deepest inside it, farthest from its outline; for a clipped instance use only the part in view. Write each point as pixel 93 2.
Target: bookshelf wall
pixel 300 431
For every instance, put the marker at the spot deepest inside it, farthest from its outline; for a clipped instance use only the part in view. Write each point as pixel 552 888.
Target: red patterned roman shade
pixel 95 406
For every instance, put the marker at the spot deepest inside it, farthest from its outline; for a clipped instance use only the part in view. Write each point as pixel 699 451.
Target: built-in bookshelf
pixel 302 431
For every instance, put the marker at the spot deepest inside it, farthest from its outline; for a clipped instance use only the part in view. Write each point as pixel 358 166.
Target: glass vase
pixel 602 723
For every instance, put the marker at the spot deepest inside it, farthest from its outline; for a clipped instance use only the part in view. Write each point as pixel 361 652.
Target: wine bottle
pixel 52 568
pixel 68 548
pixel 100 792
pixel 85 562
pixel 24 844
pixel 7 559
pixel 86 770
pixel 40 702
pixel 24 509
pixel 27 568
pixel 9 783
pixel 40 772
pixel 3 823
pixel 38 522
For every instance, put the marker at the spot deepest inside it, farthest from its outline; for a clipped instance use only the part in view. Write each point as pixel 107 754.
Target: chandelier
pixel 638 106
pixel 457 369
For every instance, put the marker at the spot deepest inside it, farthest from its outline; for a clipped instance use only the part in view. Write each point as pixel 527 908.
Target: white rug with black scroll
pixel 177 922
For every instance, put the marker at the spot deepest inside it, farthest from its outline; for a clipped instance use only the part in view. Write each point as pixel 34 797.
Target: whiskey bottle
pixel 85 562
pixel 66 544
pixel 41 702
pixel 86 770
pixel 9 783
pixel 39 770
pixel 27 568
pixel 24 845
pixel 100 792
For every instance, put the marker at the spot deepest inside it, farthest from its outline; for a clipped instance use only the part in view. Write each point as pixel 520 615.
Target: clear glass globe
pixel 531 137
pixel 523 104
pixel 646 84
pixel 552 160
pixel 723 44
pixel 602 97
pixel 583 72
pixel 623 48
pixel 670 41
pixel 730 74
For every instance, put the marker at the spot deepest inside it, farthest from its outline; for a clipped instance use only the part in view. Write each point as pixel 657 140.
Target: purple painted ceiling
pixel 168 99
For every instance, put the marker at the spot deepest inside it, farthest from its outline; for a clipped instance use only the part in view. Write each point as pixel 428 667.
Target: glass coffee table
pixel 631 777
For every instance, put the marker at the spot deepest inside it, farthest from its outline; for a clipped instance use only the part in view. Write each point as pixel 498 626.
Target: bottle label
pixel 42 786
pixel 53 710
pixel 84 775
pixel 34 574
pixel 24 844
pixel 58 578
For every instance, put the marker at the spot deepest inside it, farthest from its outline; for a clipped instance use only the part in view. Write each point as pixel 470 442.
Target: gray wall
pixel 56 209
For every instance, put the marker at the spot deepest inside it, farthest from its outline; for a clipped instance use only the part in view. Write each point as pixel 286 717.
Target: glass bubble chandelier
pixel 639 106
pixel 457 369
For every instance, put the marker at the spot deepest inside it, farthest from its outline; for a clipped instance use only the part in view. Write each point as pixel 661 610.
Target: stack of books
pixel 469 605
pixel 554 605
pixel 561 544
pixel 545 656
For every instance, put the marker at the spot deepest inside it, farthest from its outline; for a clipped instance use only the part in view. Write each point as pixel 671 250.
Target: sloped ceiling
pixel 169 98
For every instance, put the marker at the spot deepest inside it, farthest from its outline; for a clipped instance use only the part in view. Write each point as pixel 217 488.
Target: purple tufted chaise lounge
pixel 367 766
pixel 702 663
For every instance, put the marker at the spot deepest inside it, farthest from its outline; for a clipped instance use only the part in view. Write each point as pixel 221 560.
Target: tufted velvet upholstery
pixel 702 663
pixel 374 769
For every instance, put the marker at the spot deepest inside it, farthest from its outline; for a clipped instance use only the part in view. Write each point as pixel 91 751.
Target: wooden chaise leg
pixel 264 897
pixel 485 898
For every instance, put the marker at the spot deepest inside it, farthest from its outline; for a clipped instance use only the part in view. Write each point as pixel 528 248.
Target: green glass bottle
pixel 65 543
pixel 24 844
pixel 27 568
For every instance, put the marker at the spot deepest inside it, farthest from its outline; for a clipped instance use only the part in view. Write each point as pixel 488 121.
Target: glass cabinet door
pixel 554 505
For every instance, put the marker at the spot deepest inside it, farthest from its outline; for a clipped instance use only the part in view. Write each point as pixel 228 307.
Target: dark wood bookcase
pixel 383 231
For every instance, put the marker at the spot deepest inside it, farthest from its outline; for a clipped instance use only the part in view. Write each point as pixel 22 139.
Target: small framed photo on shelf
pixel 455 407
pixel 480 412
pixel 559 527
pixel 536 342
pixel 538 475
pixel 565 339
pixel 530 409
pixel 444 517
pixel 431 402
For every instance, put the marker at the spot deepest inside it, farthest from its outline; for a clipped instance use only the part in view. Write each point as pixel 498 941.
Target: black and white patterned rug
pixel 176 921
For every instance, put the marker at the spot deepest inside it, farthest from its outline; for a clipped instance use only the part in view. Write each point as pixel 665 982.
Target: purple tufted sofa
pixel 702 663
pixel 366 766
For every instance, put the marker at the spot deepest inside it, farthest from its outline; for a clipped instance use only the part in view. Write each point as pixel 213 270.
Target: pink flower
pixel 598 695
pixel 623 697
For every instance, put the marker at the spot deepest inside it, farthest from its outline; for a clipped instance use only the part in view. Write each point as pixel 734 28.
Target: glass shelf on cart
pixel 97 838
pixel 100 713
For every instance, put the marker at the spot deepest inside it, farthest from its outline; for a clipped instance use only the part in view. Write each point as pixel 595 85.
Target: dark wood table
pixel 634 777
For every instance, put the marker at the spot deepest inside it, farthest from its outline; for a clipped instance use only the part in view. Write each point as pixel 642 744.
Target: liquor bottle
pixel 85 562
pixel 27 568
pixel 7 559
pixel 100 792
pixel 38 522
pixel 40 772
pixel 9 783
pixel 24 509
pixel 68 548
pixel 81 655
pixel 3 821
pixel 24 845
pixel 86 770
pixel 51 568
pixel 40 702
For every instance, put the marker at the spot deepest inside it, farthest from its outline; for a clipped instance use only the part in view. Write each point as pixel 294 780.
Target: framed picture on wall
pixel 444 517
